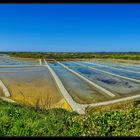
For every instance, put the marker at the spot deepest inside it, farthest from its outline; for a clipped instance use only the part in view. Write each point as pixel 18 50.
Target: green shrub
pixel 18 120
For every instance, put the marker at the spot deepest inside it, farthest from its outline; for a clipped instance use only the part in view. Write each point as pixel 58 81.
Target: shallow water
pixel 127 68
pixel 112 65
pixel 20 69
pixel 32 88
pixel 122 73
pixel 6 60
pixel 111 83
pixel 80 90
pixel 127 65
pixel 88 63
pixel 69 64
pixel 35 85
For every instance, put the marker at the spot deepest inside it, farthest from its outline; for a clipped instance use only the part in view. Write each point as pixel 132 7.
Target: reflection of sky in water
pixel 122 73
pixel 127 68
pixel 54 64
pixel 70 64
pixel 88 64
pixel 121 67
pixel 113 65
pixel 76 86
pixel 107 81
pixel 22 69
pixel 128 65
pixel 5 60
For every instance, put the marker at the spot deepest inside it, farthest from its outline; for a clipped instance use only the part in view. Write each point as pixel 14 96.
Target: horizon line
pixel 71 51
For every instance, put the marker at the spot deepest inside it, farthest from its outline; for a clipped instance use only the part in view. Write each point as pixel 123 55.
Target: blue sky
pixel 70 27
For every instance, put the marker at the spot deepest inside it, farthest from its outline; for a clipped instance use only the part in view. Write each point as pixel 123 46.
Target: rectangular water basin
pixel 80 90
pixel 114 84
pixel 34 88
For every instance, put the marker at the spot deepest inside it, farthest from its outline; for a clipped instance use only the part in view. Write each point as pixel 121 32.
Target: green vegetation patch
pixel 18 120
pixel 76 55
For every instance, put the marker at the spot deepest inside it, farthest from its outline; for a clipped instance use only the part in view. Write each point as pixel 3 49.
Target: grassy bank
pixel 18 120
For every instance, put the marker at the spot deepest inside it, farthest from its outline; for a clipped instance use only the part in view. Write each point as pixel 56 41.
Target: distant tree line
pixel 76 55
